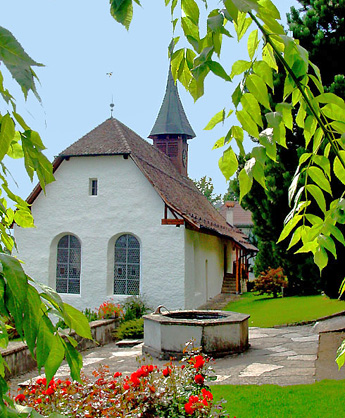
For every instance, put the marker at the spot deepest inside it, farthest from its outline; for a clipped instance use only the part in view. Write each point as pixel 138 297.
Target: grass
pixel 320 400
pixel 267 312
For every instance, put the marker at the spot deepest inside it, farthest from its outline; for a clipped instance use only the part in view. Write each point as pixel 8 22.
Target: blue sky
pixel 79 43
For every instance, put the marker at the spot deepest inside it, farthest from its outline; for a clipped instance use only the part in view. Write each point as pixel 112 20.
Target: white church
pixel 123 218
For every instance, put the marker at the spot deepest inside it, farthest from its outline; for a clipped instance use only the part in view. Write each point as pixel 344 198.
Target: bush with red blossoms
pixel 174 391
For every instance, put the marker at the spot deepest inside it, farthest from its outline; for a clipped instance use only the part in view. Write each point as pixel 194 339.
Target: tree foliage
pixel 21 298
pixel 206 187
pixel 319 27
pixel 317 213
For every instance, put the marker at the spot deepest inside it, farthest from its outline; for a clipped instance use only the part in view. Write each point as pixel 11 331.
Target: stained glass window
pixel 68 265
pixel 127 265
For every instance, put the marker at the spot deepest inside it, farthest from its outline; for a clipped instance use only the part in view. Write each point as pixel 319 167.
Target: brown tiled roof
pixel 241 217
pixel 179 193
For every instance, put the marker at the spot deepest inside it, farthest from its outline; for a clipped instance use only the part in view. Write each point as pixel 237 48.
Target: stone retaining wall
pixel 19 359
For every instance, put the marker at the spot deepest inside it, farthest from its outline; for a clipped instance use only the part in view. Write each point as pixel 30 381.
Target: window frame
pixel 124 278
pixel 71 275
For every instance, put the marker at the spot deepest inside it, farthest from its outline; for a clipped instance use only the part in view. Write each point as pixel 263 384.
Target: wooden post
pixel 237 272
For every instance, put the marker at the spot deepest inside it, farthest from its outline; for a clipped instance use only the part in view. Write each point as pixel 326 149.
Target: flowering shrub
pixel 108 310
pixel 270 281
pixel 175 391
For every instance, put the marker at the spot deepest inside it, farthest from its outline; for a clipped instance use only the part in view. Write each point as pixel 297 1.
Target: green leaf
pixel 74 360
pixel 334 112
pixel 220 143
pixel 330 98
pixel 267 7
pixel 267 140
pixel 310 126
pixel 242 25
pixel 246 5
pixel 23 218
pixel 338 235
pixel 217 118
pixel 240 67
pixel 32 313
pixel 340 359
pixel 77 320
pixel 45 340
pixel 218 70
pixel 251 106
pixel 237 94
pixel 328 243
pixel 289 227
pixel 122 11
pixel 191 10
pixel 258 88
pixel 293 186
pixel 17 62
pixel 321 258
pixel 259 174
pixel 7 132
pixel 263 70
pixel 338 168
pixel 323 163
pixel 285 110
pixel 228 163
pixel 55 357
pixel 247 123
pixel 317 194
pixel 319 178
pixel 253 43
pixel 274 119
pixel 268 56
pixel 245 182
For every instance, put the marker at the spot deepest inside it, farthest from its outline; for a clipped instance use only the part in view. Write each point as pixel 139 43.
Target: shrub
pixel 134 328
pixel 174 391
pixel 270 282
pixel 109 309
pixel 134 307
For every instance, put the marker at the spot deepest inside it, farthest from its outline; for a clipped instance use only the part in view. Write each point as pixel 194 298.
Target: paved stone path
pixel 282 356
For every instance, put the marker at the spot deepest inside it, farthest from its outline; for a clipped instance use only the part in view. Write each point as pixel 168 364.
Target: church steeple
pixel 172 129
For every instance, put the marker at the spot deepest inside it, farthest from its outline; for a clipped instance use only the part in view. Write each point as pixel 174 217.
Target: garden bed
pixel 19 359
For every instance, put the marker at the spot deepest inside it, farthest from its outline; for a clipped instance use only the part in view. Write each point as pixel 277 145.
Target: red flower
pixel 166 372
pixel 199 379
pixel 19 398
pixel 49 391
pixel 117 374
pixel 198 361
pixel 134 379
pixel 39 400
pixel 126 386
pixel 189 408
pixel 68 382
pixel 41 381
pixel 207 394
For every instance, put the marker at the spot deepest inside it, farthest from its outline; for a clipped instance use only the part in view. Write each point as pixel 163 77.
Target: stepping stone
pixel 257 369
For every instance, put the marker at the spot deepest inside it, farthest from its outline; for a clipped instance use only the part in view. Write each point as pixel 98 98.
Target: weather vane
pixel 112 99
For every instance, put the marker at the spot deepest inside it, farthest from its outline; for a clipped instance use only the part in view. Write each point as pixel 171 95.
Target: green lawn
pixel 320 400
pixel 266 311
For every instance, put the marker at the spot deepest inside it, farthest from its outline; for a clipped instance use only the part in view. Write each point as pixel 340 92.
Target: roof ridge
pixel 162 171
pixel 119 128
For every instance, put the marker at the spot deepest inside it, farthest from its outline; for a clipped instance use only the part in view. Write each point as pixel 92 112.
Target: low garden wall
pixel 19 359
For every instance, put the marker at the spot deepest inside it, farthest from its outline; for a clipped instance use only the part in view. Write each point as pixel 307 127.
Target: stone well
pixel 218 333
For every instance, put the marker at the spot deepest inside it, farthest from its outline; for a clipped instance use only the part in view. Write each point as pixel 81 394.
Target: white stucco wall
pixel 126 203
pixel 204 267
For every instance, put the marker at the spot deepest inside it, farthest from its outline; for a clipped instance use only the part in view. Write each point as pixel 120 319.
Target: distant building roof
pixel 179 193
pixel 171 118
pixel 240 216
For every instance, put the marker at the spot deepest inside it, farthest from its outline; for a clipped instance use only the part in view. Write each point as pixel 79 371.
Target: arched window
pixel 68 265
pixel 127 265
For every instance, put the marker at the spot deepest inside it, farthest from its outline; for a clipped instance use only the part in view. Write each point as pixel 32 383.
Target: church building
pixel 123 218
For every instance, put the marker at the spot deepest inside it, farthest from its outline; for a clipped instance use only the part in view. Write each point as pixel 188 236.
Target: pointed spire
pixel 171 118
